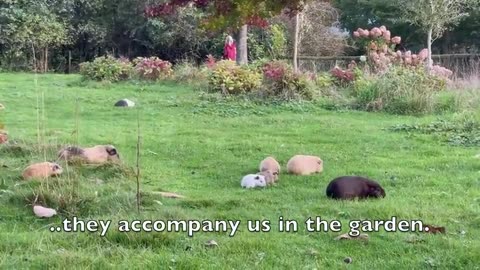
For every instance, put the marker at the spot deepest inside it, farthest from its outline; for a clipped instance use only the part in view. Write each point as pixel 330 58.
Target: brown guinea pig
pixel 42 170
pixel 304 165
pixel 271 164
pixel 350 187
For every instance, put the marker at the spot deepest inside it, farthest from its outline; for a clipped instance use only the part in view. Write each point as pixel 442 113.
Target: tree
pixel 31 25
pixel 233 15
pixel 435 17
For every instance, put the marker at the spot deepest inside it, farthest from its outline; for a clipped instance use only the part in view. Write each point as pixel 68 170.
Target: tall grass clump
pixel 399 90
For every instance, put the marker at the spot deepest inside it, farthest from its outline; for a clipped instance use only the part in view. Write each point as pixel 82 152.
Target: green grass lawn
pixel 201 149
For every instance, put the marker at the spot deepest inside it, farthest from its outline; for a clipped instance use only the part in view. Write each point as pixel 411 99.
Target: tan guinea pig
pixel 101 154
pixel 304 165
pixel 42 170
pixel 3 137
pixel 270 177
pixel 271 164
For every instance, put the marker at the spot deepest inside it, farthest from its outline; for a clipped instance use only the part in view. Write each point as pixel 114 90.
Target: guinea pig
pixel 96 155
pixel 304 165
pixel 270 177
pixel 42 170
pixel 271 164
pixel 253 180
pixel 350 187
pixel 3 137
pixel 71 152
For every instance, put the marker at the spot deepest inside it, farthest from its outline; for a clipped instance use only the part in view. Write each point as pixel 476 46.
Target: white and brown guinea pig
pixel 42 170
pixel 270 164
pixel 304 165
pixel 96 155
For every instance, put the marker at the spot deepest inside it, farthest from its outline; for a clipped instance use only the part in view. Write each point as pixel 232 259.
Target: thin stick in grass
pixel 138 160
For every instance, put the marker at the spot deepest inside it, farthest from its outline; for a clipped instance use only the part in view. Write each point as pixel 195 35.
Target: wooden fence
pixel 461 64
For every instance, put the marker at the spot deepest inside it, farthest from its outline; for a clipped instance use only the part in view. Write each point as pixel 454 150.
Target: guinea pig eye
pixel 257 177
pixel 112 151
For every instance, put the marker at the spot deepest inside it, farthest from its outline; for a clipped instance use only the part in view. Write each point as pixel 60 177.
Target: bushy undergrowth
pixel 107 68
pixel 463 130
pixel 399 90
pixel 152 68
pixel 263 78
pixel 229 78
pixel 111 69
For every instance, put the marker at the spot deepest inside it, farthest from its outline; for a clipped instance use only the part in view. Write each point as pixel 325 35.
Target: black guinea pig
pixel 350 187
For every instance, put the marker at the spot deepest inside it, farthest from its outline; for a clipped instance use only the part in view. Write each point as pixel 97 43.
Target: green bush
pixel 107 68
pixel 400 90
pixel 230 78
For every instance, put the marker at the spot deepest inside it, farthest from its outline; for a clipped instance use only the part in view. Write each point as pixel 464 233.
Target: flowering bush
pixel 228 77
pixel 152 68
pixel 380 47
pixel 210 62
pixel 280 80
pixel 344 77
pixel 107 68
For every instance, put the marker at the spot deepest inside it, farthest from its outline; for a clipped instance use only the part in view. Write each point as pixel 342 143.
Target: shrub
pixel 380 48
pixel 228 77
pixel 188 72
pixel 281 81
pixel 153 68
pixel 401 90
pixel 107 68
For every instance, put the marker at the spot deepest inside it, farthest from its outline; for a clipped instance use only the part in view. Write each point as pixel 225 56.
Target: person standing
pixel 230 49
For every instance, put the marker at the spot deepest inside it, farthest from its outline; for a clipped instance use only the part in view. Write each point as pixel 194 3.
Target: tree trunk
pixel 242 48
pixel 295 42
pixel 45 60
pixel 429 47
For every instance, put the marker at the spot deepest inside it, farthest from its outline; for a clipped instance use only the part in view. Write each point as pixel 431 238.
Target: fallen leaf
pixel 346 236
pixel 211 243
pixel 169 195
pixel 433 229
pixel 413 240
pixel 312 252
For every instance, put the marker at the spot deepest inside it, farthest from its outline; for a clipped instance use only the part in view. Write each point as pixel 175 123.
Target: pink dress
pixel 230 52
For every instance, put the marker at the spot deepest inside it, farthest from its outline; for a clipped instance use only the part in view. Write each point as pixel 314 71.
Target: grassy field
pixel 201 148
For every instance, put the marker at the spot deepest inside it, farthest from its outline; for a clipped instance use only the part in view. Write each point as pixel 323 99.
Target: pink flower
pixel 408 54
pixel 365 33
pixel 396 40
pixel 386 36
pixel 356 34
pixel 375 32
pixel 423 54
pixel 383 29
pixel 399 53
